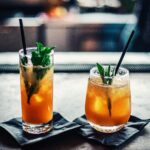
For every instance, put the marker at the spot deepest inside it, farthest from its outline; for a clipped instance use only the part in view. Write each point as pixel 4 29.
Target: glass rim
pixel 93 72
pixel 21 53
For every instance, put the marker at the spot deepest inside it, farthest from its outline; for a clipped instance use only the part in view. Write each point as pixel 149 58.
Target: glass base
pixel 106 129
pixel 37 128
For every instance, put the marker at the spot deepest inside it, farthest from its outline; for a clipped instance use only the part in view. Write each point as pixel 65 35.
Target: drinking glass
pixel 108 107
pixel 36 84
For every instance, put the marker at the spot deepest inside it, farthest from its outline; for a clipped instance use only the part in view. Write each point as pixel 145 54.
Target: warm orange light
pixel 57 12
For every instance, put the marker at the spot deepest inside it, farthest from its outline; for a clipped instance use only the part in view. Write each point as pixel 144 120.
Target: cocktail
pixel 36 83
pixel 108 99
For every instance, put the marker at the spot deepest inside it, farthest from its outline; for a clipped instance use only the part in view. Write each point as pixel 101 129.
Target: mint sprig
pixel 39 57
pixel 106 75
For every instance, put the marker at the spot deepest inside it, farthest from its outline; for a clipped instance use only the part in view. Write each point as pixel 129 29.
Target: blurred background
pixel 76 25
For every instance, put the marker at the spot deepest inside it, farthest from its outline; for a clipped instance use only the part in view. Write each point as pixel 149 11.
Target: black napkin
pixel 132 128
pixel 14 128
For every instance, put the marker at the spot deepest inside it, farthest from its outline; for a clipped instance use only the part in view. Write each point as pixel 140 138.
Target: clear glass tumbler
pixel 36 84
pixel 108 107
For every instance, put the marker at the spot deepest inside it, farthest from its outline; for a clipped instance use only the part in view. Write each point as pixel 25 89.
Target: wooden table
pixel 69 99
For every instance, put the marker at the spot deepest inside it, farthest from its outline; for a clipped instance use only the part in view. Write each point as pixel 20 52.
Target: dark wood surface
pixel 69 99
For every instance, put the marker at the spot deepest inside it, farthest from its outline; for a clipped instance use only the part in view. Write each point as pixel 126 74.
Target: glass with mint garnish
pixel 36 83
pixel 108 98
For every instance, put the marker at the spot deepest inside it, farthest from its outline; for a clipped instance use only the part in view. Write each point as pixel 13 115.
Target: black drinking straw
pixel 124 52
pixel 22 36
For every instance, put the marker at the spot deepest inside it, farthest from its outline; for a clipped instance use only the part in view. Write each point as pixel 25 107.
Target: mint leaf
pixel 100 69
pixel 24 60
pixel 36 58
pixel 50 49
pixel 109 69
pixel 43 50
pixel 45 60
pixel 39 45
pixel 46 50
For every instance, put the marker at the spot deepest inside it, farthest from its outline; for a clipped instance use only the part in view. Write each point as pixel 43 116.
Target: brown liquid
pixel 40 108
pixel 98 101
